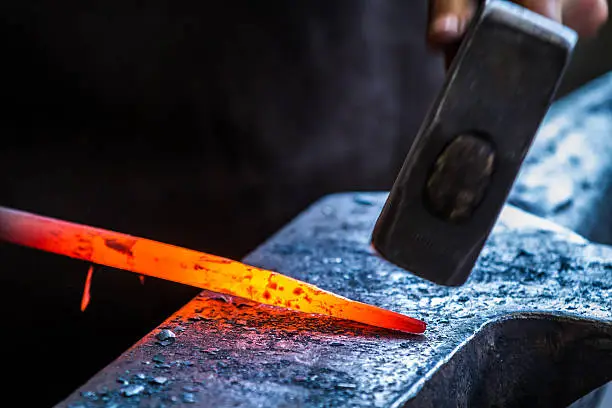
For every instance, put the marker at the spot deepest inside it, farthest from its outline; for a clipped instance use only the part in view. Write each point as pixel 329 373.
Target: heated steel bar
pixel 194 268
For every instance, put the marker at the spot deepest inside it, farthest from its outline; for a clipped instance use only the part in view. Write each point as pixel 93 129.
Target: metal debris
pixel 189 398
pixel 158 358
pixel 159 380
pixel 363 200
pixel 132 390
pixel 90 395
pixel 166 337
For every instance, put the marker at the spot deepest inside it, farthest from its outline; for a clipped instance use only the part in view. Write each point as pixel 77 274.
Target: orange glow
pixel 190 267
pixel 87 289
pixel 142 279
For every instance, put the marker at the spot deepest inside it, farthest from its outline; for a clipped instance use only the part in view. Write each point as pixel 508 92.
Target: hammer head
pixel 461 167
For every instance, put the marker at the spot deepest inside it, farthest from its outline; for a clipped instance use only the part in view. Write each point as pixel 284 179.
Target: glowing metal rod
pixel 217 274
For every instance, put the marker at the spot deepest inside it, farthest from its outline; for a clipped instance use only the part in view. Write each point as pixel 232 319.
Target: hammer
pixel 462 165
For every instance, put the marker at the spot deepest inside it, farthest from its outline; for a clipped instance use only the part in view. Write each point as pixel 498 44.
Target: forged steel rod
pixel 169 262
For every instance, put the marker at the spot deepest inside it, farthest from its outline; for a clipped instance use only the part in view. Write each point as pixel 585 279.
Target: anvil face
pixel 537 306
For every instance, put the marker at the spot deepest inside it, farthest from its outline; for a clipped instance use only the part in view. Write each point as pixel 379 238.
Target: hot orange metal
pixel 87 289
pixel 147 257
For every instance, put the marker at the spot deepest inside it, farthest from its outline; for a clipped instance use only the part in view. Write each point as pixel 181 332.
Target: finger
pixel 449 20
pixel 585 16
pixel 547 8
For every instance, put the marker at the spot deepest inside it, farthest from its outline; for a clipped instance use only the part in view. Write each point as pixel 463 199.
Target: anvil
pixel 532 326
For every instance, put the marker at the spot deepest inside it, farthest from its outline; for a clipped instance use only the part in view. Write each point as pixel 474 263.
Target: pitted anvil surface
pixel 532 326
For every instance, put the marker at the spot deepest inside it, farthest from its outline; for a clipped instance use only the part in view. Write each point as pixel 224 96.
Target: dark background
pixel 203 124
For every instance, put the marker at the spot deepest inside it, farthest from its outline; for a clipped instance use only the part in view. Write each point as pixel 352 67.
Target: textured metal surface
pixel 567 174
pixel 499 87
pixel 532 326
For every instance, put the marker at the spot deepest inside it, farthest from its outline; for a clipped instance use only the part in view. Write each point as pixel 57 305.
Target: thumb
pixel 448 20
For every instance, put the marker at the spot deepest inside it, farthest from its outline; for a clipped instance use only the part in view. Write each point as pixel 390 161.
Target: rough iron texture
pixel 536 307
pixel 566 176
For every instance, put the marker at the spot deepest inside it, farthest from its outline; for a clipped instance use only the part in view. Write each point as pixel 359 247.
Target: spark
pixel 87 289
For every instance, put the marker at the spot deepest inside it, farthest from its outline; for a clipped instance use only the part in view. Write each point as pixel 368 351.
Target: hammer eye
pixel 460 177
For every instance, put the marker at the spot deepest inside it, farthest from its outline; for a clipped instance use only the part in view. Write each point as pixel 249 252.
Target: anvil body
pixel 531 327
pixel 536 306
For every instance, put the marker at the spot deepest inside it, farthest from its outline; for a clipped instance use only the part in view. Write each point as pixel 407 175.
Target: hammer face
pixel 461 167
